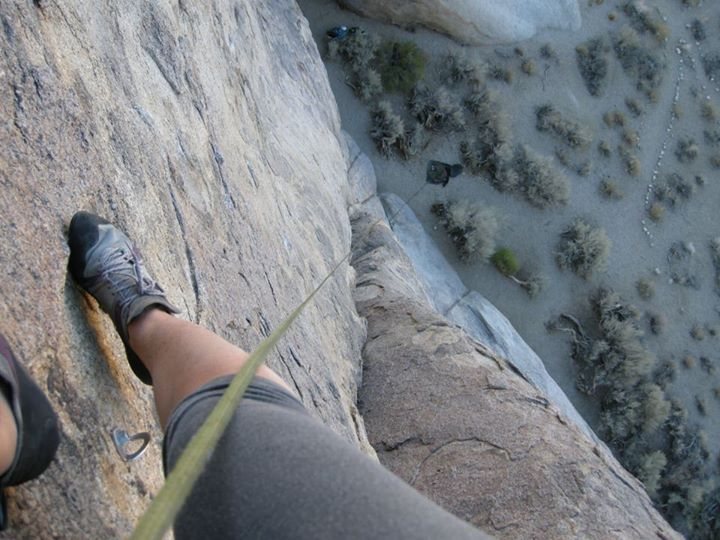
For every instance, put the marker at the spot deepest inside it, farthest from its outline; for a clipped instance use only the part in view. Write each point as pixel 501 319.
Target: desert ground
pixel 660 226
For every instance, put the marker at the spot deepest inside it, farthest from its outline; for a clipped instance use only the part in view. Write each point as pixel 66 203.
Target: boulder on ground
pixel 475 22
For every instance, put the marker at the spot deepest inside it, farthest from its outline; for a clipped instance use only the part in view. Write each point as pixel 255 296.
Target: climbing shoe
pixel 37 427
pixel 107 265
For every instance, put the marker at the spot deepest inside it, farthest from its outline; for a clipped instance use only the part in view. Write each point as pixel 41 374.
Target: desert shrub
pixel 697 332
pixel 701 405
pixel 614 119
pixel 412 142
pixel 367 84
pixel 584 168
pixel 634 106
pixel 638 61
pixel 540 182
pixel 610 190
pixel 709 111
pixel 471 227
pixel 712 137
pixel 584 249
pixel 707 365
pixel 569 131
pixel 401 65
pixel 489 150
pixel 688 361
pixel 631 138
pixel 438 109
pixel 686 459
pixel 644 19
pixel 711 65
pixel 657 407
pixel 388 128
pixel 697 29
pixel 664 374
pixel 650 471
pixel 707 522
pixel 645 288
pixel 673 189
pixel 687 150
pixel 460 67
pixel 532 283
pixel 604 149
pixel 658 322
pixel 357 49
pixel 528 67
pixel 715 160
pixel 656 212
pixel 547 52
pixel 630 161
pixel 505 261
pixel 592 60
pixel 563 156
pixel 499 73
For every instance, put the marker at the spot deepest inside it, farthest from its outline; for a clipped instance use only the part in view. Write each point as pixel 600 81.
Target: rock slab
pixel 475 22
pixel 463 426
pixel 209 132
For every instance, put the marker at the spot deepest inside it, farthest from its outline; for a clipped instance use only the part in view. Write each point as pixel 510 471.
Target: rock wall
pixel 209 132
pixel 470 310
pixel 466 428
pixel 475 22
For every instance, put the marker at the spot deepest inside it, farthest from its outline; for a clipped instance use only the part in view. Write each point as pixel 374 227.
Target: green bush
pixel 401 65
pixel 505 261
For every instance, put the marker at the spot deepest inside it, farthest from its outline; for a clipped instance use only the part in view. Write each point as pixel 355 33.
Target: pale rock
pixel 460 424
pixel 469 309
pixel 475 22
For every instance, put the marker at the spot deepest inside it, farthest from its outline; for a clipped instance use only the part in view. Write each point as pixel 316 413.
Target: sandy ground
pixel 640 246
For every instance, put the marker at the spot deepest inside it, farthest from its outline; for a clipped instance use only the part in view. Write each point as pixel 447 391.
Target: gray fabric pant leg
pixel 279 473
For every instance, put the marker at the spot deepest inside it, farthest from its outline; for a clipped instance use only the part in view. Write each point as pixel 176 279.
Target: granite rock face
pixel 462 425
pixel 469 309
pixel 475 22
pixel 209 132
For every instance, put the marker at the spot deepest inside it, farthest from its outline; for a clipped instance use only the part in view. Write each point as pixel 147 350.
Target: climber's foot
pixel 107 265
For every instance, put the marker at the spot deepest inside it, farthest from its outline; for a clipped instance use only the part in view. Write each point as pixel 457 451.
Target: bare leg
pixel 8 435
pixel 182 357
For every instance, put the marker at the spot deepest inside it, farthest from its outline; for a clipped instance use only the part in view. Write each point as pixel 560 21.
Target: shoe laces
pixel 123 272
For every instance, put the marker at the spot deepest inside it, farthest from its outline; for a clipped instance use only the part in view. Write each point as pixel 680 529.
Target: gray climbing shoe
pixel 107 265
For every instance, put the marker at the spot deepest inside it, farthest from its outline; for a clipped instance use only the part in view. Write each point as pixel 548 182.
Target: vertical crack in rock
pixel 188 251
pixel 162 47
pixel 291 374
pixel 218 160
pixel 272 289
pixel 295 357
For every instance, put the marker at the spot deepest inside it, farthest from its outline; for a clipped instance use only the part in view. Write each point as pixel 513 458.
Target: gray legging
pixel 279 473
